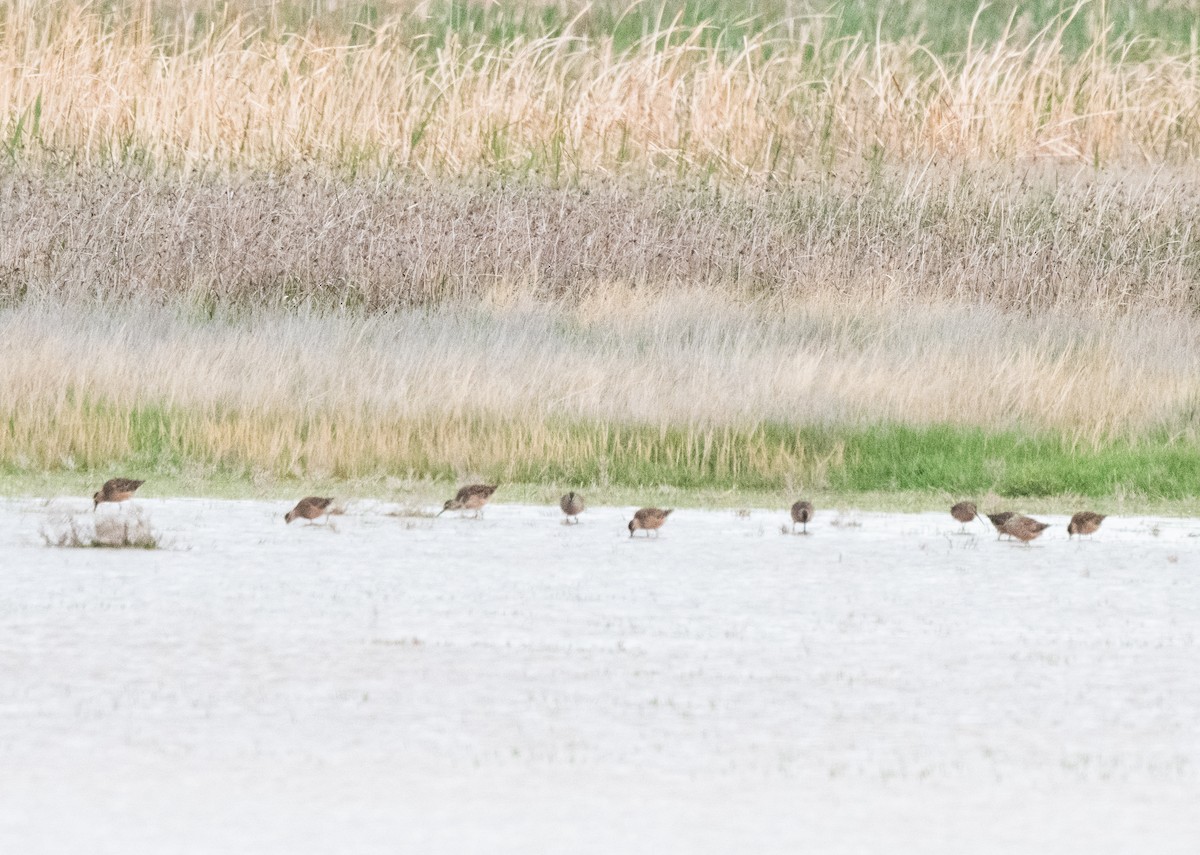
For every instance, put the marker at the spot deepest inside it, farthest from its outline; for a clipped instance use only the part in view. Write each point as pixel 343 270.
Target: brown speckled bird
pixel 649 520
pixel 998 520
pixel 1084 522
pixel 1024 528
pixel 471 498
pixel 116 490
pixel 309 508
pixel 572 505
pixel 802 512
pixel 964 512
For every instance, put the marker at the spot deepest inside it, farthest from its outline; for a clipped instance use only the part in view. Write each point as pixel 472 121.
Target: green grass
pixel 735 467
pixel 943 28
pixel 974 462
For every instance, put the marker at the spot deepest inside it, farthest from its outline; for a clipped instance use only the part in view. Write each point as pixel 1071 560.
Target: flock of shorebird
pixel 1025 528
pixel 475 496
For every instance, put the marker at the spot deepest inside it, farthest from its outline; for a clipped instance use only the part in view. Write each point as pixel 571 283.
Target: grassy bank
pixel 690 391
pixel 939 466
pixel 627 461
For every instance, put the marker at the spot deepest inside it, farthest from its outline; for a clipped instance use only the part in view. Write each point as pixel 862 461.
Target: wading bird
pixel 998 520
pixel 116 490
pixel 1084 522
pixel 964 512
pixel 802 512
pixel 649 520
pixel 572 505
pixel 471 498
pixel 1024 529
pixel 309 508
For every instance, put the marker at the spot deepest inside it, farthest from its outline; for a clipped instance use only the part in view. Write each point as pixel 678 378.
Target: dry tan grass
pixel 1016 239
pixel 84 83
pixel 512 385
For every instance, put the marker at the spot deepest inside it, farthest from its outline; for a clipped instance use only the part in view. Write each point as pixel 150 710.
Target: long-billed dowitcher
pixel 998 520
pixel 649 520
pixel 116 490
pixel 802 512
pixel 1084 522
pixel 572 505
pixel 309 508
pixel 1024 528
pixel 470 498
pixel 964 512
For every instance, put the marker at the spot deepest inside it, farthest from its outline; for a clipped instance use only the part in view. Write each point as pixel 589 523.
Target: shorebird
pixel 116 490
pixel 964 512
pixel 649 520
pixel 802 512
pixel 998 520
pixel 572 505
pixel 1084 522
pixel 309 508
pixel 1024 529
pixel 471 498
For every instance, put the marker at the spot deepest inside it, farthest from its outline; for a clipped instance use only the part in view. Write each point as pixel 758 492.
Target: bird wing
pixel 481 490
pixel 315 502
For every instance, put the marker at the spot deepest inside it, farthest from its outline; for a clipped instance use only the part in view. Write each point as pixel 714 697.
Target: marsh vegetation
pixel 881 247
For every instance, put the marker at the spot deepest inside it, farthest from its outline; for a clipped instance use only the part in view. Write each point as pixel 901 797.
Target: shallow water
pixel 513 684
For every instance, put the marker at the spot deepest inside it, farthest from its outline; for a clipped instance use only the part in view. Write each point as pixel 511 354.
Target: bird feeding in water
pixel 309 508
pixel 1084 522
pixel 471 498
pixel 649 520
pixel 998 520
pixel 1024 528
pixel 116 490
pixel 964 512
